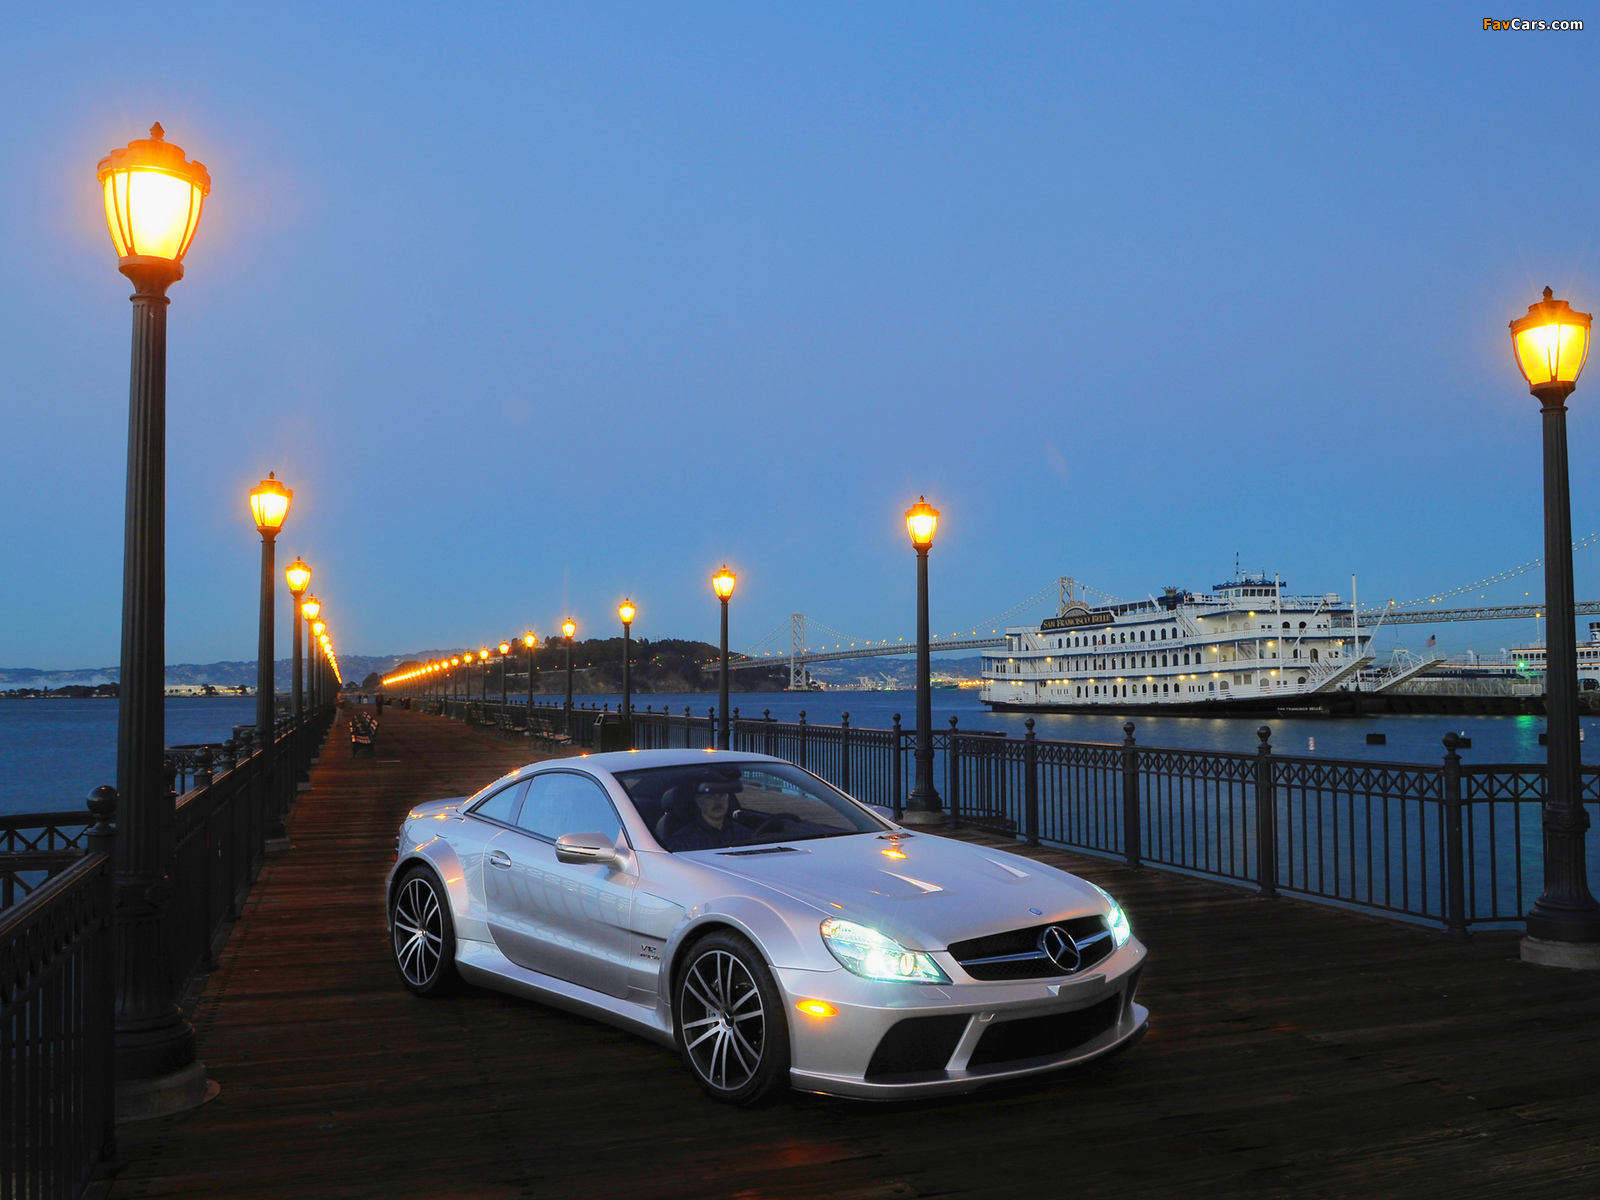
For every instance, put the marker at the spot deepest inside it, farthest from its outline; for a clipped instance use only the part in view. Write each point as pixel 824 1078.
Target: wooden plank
pixel 1294 1049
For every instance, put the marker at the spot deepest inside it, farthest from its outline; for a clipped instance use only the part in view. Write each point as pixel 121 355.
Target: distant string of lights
pixel 1502 577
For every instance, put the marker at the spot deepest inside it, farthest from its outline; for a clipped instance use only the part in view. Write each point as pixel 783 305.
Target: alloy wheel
pixel 418 931
pixel 724 1023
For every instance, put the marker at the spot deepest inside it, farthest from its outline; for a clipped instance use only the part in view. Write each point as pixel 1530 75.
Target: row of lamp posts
pixel 154 195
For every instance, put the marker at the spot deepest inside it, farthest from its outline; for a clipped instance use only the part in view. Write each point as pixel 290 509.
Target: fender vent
pixel 917 1045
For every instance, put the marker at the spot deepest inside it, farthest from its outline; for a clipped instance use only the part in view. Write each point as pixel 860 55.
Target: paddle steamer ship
pixel 1247 646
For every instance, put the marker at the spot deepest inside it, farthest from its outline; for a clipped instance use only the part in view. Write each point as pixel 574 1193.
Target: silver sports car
pixel 765 924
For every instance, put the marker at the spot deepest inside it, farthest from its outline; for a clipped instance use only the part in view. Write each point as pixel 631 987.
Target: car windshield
pixel 707 806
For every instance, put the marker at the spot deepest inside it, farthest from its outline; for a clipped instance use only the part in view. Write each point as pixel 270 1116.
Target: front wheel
pixel 729 1016
pixel 423 936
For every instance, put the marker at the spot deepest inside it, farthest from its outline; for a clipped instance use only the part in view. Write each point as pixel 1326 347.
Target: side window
pixel 560 802
pixel 502 806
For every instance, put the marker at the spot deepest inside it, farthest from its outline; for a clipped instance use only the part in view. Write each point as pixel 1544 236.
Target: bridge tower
pixel 1068 587
pixel 797 647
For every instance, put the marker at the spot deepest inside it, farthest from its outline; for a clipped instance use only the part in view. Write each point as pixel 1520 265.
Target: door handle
pixel 499 858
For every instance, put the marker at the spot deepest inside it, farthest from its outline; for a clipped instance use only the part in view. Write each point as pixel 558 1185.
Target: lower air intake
pixel 1046 1036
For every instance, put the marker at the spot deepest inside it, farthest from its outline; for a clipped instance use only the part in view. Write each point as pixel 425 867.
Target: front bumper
pixel 1070 1020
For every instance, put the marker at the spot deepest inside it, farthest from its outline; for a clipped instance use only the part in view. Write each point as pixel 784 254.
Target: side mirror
pixel 586 848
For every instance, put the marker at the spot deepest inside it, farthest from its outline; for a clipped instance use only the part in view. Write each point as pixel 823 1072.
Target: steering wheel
pixel 769 820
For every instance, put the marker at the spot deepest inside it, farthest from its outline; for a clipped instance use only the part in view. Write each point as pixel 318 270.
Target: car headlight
pixel 867 953
pixel 1116 919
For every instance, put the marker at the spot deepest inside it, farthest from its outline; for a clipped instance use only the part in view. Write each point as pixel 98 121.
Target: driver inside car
pixel 712 825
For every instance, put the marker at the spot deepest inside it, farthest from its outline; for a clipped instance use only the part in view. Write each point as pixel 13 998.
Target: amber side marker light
pixel 817 1008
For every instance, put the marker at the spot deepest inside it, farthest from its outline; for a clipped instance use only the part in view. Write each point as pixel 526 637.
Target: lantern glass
pixel 299 577
pixel 505 647
pixel 317 627
pixel 921 520
pixel 529 640
pixel 1551 342
pixel 568 628
pixel 269 504
pixel 627 612
pixel 310 607
pixel 153 197
pixel 722 583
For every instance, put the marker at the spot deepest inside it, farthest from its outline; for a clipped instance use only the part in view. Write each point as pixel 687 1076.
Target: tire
pixel 422 935
pixel 731 1023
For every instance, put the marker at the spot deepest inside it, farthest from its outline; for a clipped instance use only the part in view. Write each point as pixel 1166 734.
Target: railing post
pixel 1030 787
pixel 733 730
pixel 101 987
pixel 894 770
pixel 1266 816
pixel 766 731
pixel 1132 825
pixel 844 753
pixel 952 779
pixel 802 739
pixel 202 768
pixel 1455 859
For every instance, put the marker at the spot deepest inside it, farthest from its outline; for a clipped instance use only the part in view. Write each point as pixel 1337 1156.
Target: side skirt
pixel 483 964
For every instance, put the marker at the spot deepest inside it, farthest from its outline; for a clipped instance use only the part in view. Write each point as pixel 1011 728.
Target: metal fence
pixel 57 976
pixel 1448 843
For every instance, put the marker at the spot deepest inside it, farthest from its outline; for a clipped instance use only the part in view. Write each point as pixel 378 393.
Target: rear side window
pixel 502 805
pixel 560 802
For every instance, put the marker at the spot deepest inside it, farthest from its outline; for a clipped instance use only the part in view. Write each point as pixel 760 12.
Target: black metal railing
pixel 56 965
pixel 1449 843
pixel 56 974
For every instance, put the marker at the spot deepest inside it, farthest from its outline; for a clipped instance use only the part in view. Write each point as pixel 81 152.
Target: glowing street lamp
pixel 568 628
pixel 1550 345
pixel 269 508
pixel 923 806
pixel 298 576
pixel 722 584
pixel 153 198
pixel 627 612
pixel 530 642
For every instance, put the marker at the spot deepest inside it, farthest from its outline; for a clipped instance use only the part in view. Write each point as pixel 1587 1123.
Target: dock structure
pixel 1295 1049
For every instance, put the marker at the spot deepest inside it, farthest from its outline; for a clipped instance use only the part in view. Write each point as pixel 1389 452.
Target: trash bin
pixel 611 732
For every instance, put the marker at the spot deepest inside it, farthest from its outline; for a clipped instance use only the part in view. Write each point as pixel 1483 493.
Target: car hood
pixel 941 891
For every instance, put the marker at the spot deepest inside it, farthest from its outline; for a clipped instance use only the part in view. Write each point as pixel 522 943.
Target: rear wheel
pixel 729 1016
pixel 423 936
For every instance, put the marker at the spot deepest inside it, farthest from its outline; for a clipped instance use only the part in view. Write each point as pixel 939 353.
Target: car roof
pixel 635 760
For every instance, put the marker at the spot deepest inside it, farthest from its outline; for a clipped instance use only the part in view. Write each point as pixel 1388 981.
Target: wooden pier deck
pixel 1294 1051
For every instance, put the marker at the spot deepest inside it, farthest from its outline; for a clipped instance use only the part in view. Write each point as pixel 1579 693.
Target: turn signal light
pixel 817 1008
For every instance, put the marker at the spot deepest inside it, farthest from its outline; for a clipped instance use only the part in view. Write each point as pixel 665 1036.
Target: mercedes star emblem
pixel 1059 948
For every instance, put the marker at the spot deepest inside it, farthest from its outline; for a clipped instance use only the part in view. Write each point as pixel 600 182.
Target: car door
pixel 480 825
pixel 566 920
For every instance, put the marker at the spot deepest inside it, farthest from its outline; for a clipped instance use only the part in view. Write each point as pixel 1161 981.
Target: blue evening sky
pixel 539 306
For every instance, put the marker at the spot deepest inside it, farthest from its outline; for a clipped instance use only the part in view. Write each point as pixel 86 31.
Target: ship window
pixel 1186 659
pixel 1302 624
pixel 1313 656
pixel 1302 679
pixel 1286 624
pixel 1141 635
pixel 1163 689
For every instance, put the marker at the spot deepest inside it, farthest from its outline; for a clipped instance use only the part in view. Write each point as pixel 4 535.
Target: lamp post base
pixel 147 1099
pixel 923 816
pixel 1573 956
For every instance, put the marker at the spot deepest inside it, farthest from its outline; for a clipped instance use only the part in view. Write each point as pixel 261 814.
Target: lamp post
pixel 318 632
pixel 483 675
pixel 722 583
pixel 627 612
pixel 923 806
pixel 309 608
pixel 153 200
pixel 505 695
pixel 1550 344
pixel 269 506
pixel 568 628
pixel 298 576
pixel 529 642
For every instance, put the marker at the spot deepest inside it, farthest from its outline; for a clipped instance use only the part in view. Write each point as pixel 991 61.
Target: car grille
pixel 1015 954
pixel 1044 1037
pixel 917 1045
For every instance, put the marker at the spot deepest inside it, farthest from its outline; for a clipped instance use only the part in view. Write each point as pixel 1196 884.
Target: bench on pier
pixel 363 732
